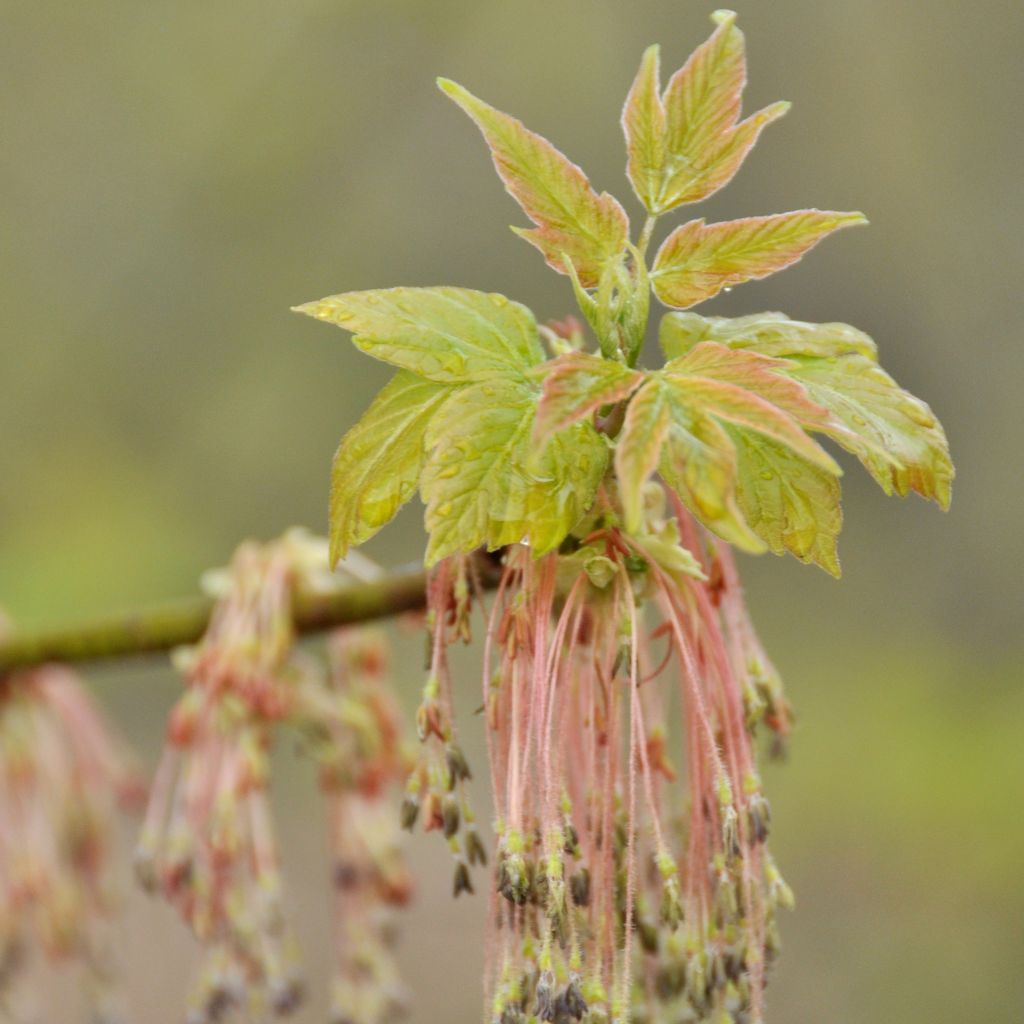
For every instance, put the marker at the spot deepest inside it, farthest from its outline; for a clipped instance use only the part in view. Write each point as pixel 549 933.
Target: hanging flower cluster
pixel 208 841
pixel 436 791
pixel 63 775
pixel 356 735
pixel 619 888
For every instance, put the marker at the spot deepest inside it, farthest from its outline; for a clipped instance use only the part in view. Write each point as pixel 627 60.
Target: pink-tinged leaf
pixel 698 461
pixel 638 448
pixel 643 121
pixel 771 334
pixel 762 375
pixel 572 220
pixel 698 260
pixel 895 435
pixel 576 385
pixel 685 145
pixel 744 389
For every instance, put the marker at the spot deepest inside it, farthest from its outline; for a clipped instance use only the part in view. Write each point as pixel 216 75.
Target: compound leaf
pixel 448 335
pixel 685 145
pixel 577 385
pixel 378 463
pixel 698 260
pixel 572 221
pixel 487 482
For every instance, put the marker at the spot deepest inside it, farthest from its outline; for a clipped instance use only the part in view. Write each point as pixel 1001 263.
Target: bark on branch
pixel 162 627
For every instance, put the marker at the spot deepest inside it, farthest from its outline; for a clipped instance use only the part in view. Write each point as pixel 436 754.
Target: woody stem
pixel 161 627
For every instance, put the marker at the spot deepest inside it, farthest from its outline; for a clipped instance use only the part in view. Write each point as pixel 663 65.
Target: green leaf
pixel 895 435
pixel 744 389
pixel 639 447
pixel 487 482
pixel 645 125
pixel 698 260
pixel 448 335
pixel 378 464
pixel 770 334
pixel 792 504
pixel 577 385
pixel 685 145
pixel 572 221
pixel 698 461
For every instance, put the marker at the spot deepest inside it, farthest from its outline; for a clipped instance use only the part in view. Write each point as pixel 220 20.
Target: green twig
pixel 162 627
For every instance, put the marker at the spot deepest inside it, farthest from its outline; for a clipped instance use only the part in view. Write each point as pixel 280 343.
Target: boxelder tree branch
pixel 162 627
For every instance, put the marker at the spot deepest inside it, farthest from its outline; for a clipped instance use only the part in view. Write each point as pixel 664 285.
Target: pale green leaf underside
pixel 378 464
pixel 487 482
pixel 448 335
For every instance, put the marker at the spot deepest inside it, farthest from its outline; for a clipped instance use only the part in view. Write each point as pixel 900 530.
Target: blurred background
pixel 174 176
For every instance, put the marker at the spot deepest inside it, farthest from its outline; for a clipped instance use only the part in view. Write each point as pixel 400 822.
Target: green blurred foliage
pixel 174 176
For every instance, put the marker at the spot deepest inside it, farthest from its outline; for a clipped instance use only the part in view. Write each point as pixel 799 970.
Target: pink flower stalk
pixel 63 775
pixel 626 885
pixel 436 790
pixel 363 762
pixel 208 842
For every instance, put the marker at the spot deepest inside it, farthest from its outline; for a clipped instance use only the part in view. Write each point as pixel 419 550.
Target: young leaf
pixel 577 385
pixel 686 145
pixel 448 335
pixel 771 334
pixel 698 461
pixel 698 260
pixel 487 482
pixel 895 435
pixel 377 466
pixel 644 123
pixel 572 220
pixel 743 389
pixel 639 447
pixel 792 504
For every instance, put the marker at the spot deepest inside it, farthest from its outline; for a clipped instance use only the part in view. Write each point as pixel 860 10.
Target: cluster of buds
pixel 625 887
pixel 354 732
pixel 63 776
pixel 208 842
pixel 436 789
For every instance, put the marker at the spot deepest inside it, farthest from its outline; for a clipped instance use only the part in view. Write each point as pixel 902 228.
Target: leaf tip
pixel 651 55
pixel 851 219
pixel 774 111
pixel 723 16
pixel 313 309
